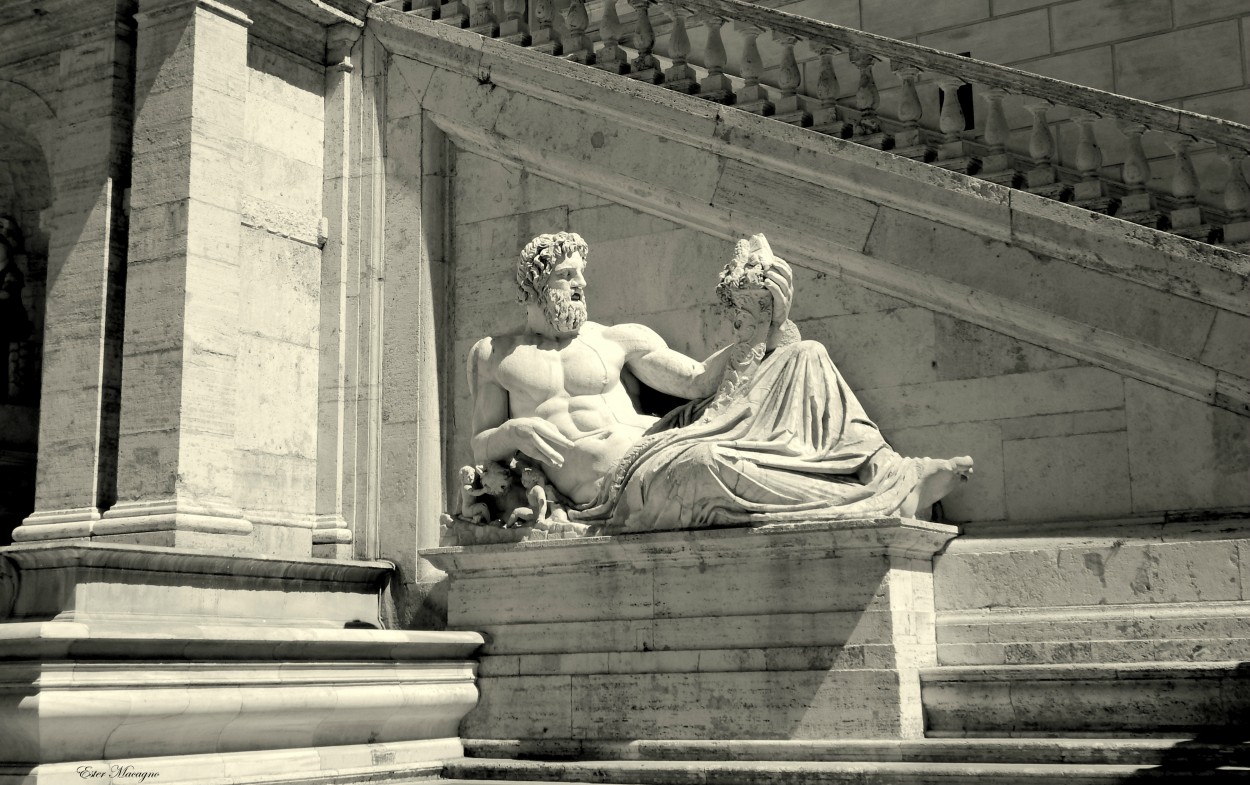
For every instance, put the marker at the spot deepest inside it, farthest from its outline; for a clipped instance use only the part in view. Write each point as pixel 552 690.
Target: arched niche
pixel 26 196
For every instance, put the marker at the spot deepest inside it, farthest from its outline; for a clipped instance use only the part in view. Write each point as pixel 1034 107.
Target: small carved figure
pixel 471 509
pixel 536 493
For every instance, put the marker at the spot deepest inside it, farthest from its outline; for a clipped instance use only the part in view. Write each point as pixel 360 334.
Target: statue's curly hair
pixel 540 255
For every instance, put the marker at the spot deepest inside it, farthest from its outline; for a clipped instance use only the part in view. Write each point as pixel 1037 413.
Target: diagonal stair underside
pixel 1147 304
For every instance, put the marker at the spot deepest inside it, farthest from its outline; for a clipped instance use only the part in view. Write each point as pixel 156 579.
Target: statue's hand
pixel 538 439
pixel 780 281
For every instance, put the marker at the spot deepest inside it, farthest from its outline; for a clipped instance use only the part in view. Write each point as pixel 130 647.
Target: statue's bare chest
pixel 579 368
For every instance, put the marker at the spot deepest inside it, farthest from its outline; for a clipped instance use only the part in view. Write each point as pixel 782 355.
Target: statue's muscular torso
pixel 575 385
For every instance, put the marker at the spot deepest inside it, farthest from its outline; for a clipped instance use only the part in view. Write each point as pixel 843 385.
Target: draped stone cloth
pixel 784 440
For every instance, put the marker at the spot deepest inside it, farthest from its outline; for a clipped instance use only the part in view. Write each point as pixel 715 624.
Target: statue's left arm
pixel 667 370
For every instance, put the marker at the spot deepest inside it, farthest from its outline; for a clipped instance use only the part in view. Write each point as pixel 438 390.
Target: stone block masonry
pixel 813 630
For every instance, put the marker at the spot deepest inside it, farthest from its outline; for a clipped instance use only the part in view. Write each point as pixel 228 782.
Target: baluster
pixel 788 108
pixel 996 163
pixel 611 57
pixel 482 21
pixel 1088 156
pixel 1184 179
pixel 1185 217
pixel 827 118
pixel 868 125
pixel 454 13
pixel 1042 179
pixel 577 46
pixel 753 96
pixel 514 29
pixel 544 37
pixel 1236 197
pixel 646 67
pixel 952 152
pixel 715 86
pixel 1089 192
pixel 680 76
pixel 909 140
pixel 1136 205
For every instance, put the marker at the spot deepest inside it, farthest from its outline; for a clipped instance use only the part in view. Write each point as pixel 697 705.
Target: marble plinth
pixel 189 666
pixel 71 581
pixel 813 630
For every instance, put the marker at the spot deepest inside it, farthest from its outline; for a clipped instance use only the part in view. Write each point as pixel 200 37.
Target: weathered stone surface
pixel 899 19
pixel 993 398
pixel 1228 345
pixel 1075 574
pixel 879 349
pixel 963 350
pixel 1166 431
pixel 1006 40
pixel 1089 67
pixel 1067 477
pixel 1085 699
pixel 1180 63
pixel 798 631
pixel 1105 20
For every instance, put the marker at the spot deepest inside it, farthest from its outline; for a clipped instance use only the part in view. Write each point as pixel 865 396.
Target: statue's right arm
pixel 496 435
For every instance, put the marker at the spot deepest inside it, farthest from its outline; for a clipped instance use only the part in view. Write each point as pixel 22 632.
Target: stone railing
pixel 927 118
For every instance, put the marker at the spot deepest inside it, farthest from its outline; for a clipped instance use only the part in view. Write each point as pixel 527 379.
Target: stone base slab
pixel 91 693
pixel 811 630
pixel 1083 700
pixel 353 763
pixel 77 581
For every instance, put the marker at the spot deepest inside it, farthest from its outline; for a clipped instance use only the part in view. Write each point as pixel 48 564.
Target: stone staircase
pixel 1071 761
pixel 795 156
pixel 1014 140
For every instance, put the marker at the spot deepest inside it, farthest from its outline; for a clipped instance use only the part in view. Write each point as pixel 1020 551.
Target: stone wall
pixel 280 263
pixel 1054 438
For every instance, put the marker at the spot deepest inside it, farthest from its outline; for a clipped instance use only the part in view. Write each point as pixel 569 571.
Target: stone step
pixel 617 772
pixel 1088 699
pixel 1100 751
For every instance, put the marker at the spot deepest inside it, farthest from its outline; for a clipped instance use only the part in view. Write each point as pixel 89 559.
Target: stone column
pixel 417 362
pixel 332 535
pixel 82 339
pixel 176 448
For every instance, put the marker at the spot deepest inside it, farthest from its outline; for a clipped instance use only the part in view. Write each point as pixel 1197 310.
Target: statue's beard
pixel 563 313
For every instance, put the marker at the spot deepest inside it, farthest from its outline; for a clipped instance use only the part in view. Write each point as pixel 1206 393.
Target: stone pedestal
pixel 786 631
pixel 194 666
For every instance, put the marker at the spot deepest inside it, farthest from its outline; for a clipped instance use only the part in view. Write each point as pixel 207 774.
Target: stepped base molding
pixel 80 581
pixel 193 666
pixel 1087 700
pixel 174 523
pixel 812 630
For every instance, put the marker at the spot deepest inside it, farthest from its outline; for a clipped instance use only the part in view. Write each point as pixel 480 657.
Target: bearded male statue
pixel 771 431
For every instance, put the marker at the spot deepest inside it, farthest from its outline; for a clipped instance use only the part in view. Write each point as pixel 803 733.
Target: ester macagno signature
pixel 116 772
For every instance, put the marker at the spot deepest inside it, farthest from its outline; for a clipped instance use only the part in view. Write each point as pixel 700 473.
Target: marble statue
pixel 538 501
pixel 471 508
pixel 771 431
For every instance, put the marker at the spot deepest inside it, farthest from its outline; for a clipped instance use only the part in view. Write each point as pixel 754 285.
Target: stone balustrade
pixel 970 132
